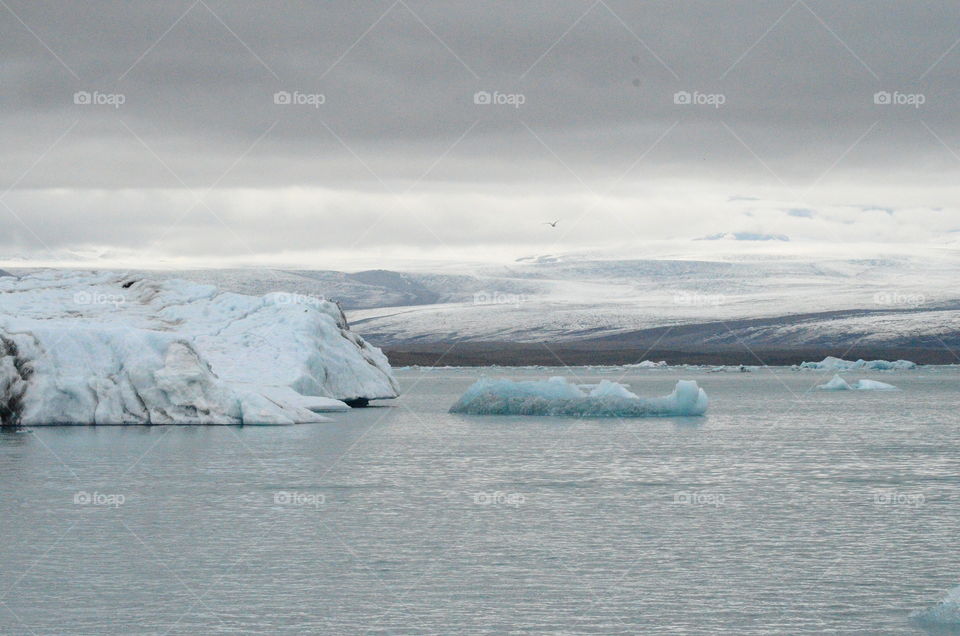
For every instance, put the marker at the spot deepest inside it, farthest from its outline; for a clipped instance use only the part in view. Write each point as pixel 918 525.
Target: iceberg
pixel 558 397
pixel 836 384
pixel 873 385
pixel 946 612
pixel 837 364
pixel 647 364
pixel 104 348
pixel 839 384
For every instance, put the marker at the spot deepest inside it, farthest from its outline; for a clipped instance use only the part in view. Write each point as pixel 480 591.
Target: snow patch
pixel 558 397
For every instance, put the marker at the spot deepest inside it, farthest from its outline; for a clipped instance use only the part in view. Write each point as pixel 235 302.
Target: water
pixel 781 511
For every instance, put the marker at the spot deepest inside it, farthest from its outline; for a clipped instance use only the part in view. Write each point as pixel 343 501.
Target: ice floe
pixel 839 384
pixel 837 364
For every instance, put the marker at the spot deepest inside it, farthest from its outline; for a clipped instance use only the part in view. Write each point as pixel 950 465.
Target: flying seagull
pixel 553 224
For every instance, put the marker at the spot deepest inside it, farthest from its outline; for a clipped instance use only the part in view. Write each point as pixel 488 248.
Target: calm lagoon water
pixel 781 511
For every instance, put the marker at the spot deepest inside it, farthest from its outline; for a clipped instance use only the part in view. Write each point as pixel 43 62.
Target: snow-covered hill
pixel 791 299
pixel 769 293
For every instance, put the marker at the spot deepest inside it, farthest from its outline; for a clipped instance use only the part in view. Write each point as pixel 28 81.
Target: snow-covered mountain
pixel 763 293
pixel 770 298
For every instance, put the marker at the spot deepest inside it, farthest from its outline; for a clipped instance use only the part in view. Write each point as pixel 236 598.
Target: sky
pixel 325 133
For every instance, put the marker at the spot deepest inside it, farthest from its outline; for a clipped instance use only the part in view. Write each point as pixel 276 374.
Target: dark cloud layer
pixel 787 91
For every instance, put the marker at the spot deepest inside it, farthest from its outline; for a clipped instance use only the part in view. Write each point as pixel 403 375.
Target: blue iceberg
pixel 839 384
pixel 837 364
pixel 558 397
pixel 946 612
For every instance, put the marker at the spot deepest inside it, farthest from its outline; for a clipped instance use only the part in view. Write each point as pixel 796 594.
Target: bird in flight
pixel 553 224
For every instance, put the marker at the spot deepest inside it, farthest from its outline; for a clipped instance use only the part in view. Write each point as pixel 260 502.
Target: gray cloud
pixel 786 91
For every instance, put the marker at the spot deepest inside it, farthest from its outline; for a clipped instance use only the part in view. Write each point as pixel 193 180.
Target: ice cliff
pixel 104 348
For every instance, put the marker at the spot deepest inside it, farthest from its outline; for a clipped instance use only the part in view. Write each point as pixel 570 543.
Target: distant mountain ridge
pixel 758 299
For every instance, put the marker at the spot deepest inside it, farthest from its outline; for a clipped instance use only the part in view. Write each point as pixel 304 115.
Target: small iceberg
pixel 647 364
pixel 873 385
pixel 558 397
pixel 837 364
pixel 839 384
pixel 944 613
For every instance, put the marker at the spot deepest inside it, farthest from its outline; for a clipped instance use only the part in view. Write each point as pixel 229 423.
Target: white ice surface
pixel 873 385
pixel 836 364
pixel 839 384
pixel 558 397
pixel 647 364
pixel 88 348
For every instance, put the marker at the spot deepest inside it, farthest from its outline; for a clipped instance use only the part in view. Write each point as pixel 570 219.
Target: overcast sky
pixel 626 120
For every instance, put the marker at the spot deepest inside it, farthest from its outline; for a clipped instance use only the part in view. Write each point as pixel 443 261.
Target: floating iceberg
pixel 86 348
pixel 558 397
pixel 837 364
pixel 839 384
pixel 946 612
pixel 742 368
pixel 873 385
pixel 647 364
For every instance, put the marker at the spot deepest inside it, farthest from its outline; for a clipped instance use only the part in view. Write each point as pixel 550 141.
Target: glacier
pixel 559 397
pixel 839 384
pixel 837 364
pixel 107 348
